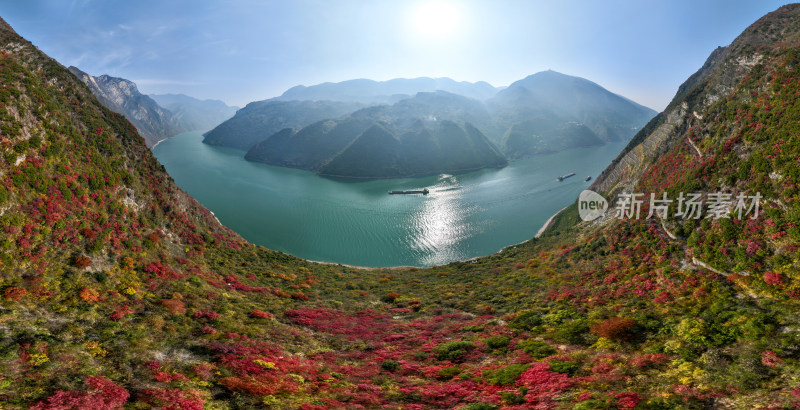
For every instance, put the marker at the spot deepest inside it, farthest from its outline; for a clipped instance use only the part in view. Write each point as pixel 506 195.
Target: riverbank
pixel 549 222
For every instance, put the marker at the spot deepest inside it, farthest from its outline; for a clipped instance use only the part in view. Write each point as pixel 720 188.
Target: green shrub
pixel 511 398
pixel 390 365
pixel 592 405
pixel 21 146
pixel 448 373
pixel 565 367
pixel 454 350
pixel 536 348
pixel 573 332
pixel 505 375
pixel 497 342
pixel 481 406
pixel 526 320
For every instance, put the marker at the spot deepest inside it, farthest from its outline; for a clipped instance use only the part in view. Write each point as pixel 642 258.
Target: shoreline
pixel 549 222
pixel 366 267
pixel 157 142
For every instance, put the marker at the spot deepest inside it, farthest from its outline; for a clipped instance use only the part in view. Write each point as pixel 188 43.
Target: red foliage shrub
pixel 174 306
pixel 166 377
pixel 649 359
pixel 772 278
pixel 614 328
pixel 88 233
pixel 280 293
pixel 390 297
pixel 299 296
pixel 154 237
pixel 82 262
pixel 203 371
pixel 261 314
pixel 14 293
pixel 173 399
pixel 543 384
pixel 627 400
pixel 153 366
pixel 103 394
pixel 770 359
pixel 208 314
pixel 162 271
pixel 89 295
pixel 121 312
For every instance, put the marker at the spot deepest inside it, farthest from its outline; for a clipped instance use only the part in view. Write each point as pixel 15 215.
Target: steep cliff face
pixel 153 122
pixel 722 72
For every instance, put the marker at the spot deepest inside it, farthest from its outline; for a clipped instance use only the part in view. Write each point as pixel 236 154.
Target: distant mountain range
pixel 194 114
pixel 374 92
pixel 312 127
pixel 156 117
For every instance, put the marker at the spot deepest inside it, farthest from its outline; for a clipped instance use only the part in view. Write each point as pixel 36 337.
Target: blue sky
pixel 247 50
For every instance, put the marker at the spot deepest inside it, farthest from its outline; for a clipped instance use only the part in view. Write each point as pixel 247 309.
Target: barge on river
pixel 418 191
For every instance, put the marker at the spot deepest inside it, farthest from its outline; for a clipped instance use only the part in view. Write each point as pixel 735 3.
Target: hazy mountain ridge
pixel 540 113
pixel 372 92
pixel 194 114
pixel 152 121
pixel 415 136
pixel 545 112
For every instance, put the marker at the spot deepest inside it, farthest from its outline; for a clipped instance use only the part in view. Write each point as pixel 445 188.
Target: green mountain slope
pixel 259 120
pixel 444 147
pixel 539 113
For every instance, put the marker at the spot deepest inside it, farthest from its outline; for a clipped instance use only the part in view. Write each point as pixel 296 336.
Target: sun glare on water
pixel 436 20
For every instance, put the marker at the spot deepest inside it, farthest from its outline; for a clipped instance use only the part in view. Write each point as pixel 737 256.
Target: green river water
pixel 358 223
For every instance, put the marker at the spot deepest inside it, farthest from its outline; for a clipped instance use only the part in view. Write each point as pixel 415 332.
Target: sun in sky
pixel 436 20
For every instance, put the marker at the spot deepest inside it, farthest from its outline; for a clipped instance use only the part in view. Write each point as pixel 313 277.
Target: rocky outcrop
pixel 153 122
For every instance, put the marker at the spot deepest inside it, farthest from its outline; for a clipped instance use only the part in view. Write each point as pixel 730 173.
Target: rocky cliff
pixel 153 122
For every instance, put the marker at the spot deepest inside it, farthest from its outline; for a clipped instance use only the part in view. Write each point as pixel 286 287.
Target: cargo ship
pixel 563 177
pixel 418 191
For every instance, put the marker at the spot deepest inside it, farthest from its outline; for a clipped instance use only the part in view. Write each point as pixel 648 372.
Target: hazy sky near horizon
pixel 246 50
